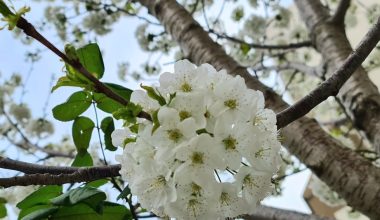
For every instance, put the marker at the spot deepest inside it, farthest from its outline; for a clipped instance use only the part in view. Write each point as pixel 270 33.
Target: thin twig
pixel 331 86
pixel 195 7
pixel 29 30
pixel 300 67
pixel 262 46
pixel 29 145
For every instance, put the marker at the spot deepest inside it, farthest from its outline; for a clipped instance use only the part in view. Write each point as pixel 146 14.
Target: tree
pixel 347 171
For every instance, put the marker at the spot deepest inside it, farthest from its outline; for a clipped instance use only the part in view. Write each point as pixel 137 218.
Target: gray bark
pixel 350 175
pixel 269 213
pixel 359 95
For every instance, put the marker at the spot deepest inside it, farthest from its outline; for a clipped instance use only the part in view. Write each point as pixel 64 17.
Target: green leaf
pixel 82 160
pixel 154 94
pixel 129 7
pixel 24 212
pixel 82 131
pixel 40 213
pixel 65 81
pixel 84 212
pixel 97 183
pixel 91 58
pixel 126 191
pixel 4 10
pixel 156 123
pixel 3 210
pixel 245 48
pixel 108 127
pixel 89 195
pixel 120 90
pixel 61 200
pixel 40 197
pixel 106 104
pixel 129 113
pixel 76 104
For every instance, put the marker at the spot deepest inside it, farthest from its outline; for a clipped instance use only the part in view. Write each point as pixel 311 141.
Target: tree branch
pixel 63 175
pixel 31 168
pixel 331 86
pixel 270 213
pixel 55 175
pixel 29 30
pixel 28 144
pixel 262 46
pixel 359 95
pixel 300 67
pixel 340 13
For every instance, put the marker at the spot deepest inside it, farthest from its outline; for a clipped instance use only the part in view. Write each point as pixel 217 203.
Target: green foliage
pixel 3 209
pixel 91 58
pixel 124 194
pixel 10 17
pixel 237 13
pixel 106 104
pixel 82 132
pixel 80 203
pixel 77 103
pixel 84 212
pixel 156 123
pixel 108 127
pixel 109 105
pixel 42 213
pixel 88 195
pixel 65 81
pixel 154 94
pixel 97 183
pixel 120 90
pixel 129 7
pixel 82 160
pixel 245 48
pixel 4 10
pixel 40 197
pixel 128 113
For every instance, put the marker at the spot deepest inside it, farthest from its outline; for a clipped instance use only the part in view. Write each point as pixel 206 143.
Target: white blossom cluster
pixel 211 150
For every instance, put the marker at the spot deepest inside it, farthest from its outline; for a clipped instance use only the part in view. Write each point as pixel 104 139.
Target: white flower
pixel 229 204
pixel 231 137
pixel 118 136
pixel 186 79
pixel 20 112
pixel 155 188
pixel 254 185
pixel 172 130
pixel 140 97
pixel 200 158
pixel 190 105
pixel 39 127
pixel 209 152
pixel 233 98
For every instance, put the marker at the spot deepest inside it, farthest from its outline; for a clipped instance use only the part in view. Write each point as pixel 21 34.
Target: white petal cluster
pixel 210 152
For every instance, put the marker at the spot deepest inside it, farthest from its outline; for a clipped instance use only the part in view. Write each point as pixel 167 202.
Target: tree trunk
pixel 268 213
pixel 359 95
pixel 353 177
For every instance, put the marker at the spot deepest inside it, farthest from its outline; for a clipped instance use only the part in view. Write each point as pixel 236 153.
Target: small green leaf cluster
pixel 91 59
pixel 87 202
